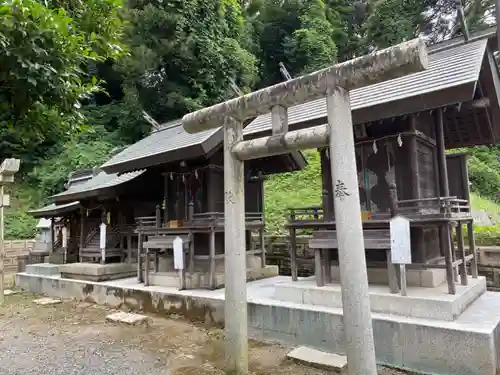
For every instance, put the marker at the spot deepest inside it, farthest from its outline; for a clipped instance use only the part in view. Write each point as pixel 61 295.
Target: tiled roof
pixel 448 68
pixel 54 210
pixel 94 185
pixel 162 144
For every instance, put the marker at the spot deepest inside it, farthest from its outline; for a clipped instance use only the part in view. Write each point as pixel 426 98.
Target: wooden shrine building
pixel 168 184
pixel 189 195
pixel 402 128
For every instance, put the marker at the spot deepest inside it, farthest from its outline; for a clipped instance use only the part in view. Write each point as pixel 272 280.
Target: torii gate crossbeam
pixel 333 83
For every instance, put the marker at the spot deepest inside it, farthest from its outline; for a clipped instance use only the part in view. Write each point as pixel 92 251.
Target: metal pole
pixel 235 310
pixel 2 247
pixel 360 346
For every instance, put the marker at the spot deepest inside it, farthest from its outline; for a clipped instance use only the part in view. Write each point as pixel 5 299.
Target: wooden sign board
pixel 102 239
pixel 64 237
pixel 400 240
pixel 178 254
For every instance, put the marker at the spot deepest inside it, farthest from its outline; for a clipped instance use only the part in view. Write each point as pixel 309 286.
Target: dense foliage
pixel 76 75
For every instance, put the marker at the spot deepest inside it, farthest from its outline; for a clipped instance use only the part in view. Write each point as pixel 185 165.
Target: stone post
pixel 352 262
pixel 2 248
pixel 397 61
pixel 8 169
pixel 235 253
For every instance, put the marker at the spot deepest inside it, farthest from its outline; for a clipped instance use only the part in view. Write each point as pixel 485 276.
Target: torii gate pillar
pixel 334 83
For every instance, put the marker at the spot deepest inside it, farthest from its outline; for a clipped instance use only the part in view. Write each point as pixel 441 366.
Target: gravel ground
pixel 75 339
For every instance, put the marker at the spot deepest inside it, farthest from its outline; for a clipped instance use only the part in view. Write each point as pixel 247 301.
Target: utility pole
pixel 7 170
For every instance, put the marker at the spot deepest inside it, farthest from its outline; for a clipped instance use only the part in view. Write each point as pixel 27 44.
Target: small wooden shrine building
pixel 402 128
pixel 168 184
pixel 189 194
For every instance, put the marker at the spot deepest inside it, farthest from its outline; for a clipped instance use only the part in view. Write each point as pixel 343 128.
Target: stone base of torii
pixel 334 83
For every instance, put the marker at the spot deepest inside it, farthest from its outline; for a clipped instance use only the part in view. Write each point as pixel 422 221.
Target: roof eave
pixel 56 211
pixel 66 198
pixel 154 160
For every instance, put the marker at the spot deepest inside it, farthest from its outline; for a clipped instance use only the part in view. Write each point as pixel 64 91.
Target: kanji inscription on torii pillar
pixel 333 83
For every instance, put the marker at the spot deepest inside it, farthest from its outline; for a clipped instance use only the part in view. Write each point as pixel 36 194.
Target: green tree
pixel 312 46
pixel 299 33
pixel 185 53
pixel 44 54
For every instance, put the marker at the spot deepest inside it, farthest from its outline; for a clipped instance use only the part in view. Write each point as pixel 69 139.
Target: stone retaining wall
pixel 14 249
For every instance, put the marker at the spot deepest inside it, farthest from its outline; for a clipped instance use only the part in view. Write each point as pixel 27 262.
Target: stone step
pixel 319 359
pixel 127 318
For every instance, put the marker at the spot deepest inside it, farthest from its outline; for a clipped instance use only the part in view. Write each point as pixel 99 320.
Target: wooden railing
pixel 90 236
pixel 217 219
pixel 445 205
pixel 198 220
pixel 112 239
pixel 412 208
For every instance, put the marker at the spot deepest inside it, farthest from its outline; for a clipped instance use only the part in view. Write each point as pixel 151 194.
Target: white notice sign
pixel 64 237
pixel 178 254
pixel 400 240
pixel 102 241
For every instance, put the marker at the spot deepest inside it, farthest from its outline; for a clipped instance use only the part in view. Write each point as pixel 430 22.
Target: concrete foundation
pixel 166 264
pixel 467 345
pixel 429 278
pixel 46 269
pixel 489 256
pixel 201 280
pixel 428 303
pixel 97 272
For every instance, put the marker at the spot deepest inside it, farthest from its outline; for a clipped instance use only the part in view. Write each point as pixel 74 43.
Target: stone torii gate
pixel 334 83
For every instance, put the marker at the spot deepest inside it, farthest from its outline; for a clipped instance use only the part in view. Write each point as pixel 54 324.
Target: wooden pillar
pixel 140 277
pixel 52 234
pixel 472 248
pixel 129 248
pixel 262 230
pixel 318 269
pixel 326 178
pixel 444 238
pixel 392 272
pixel 444 230
pixel 212 258
pixel 165 212
pixel 443 169
pixel 147 264
pixel 414 172
pixel 461 253
pixel 328 212
pixel 158 217
pixel 293 250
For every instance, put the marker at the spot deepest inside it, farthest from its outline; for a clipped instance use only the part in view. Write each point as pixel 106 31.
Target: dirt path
pixel 75 339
